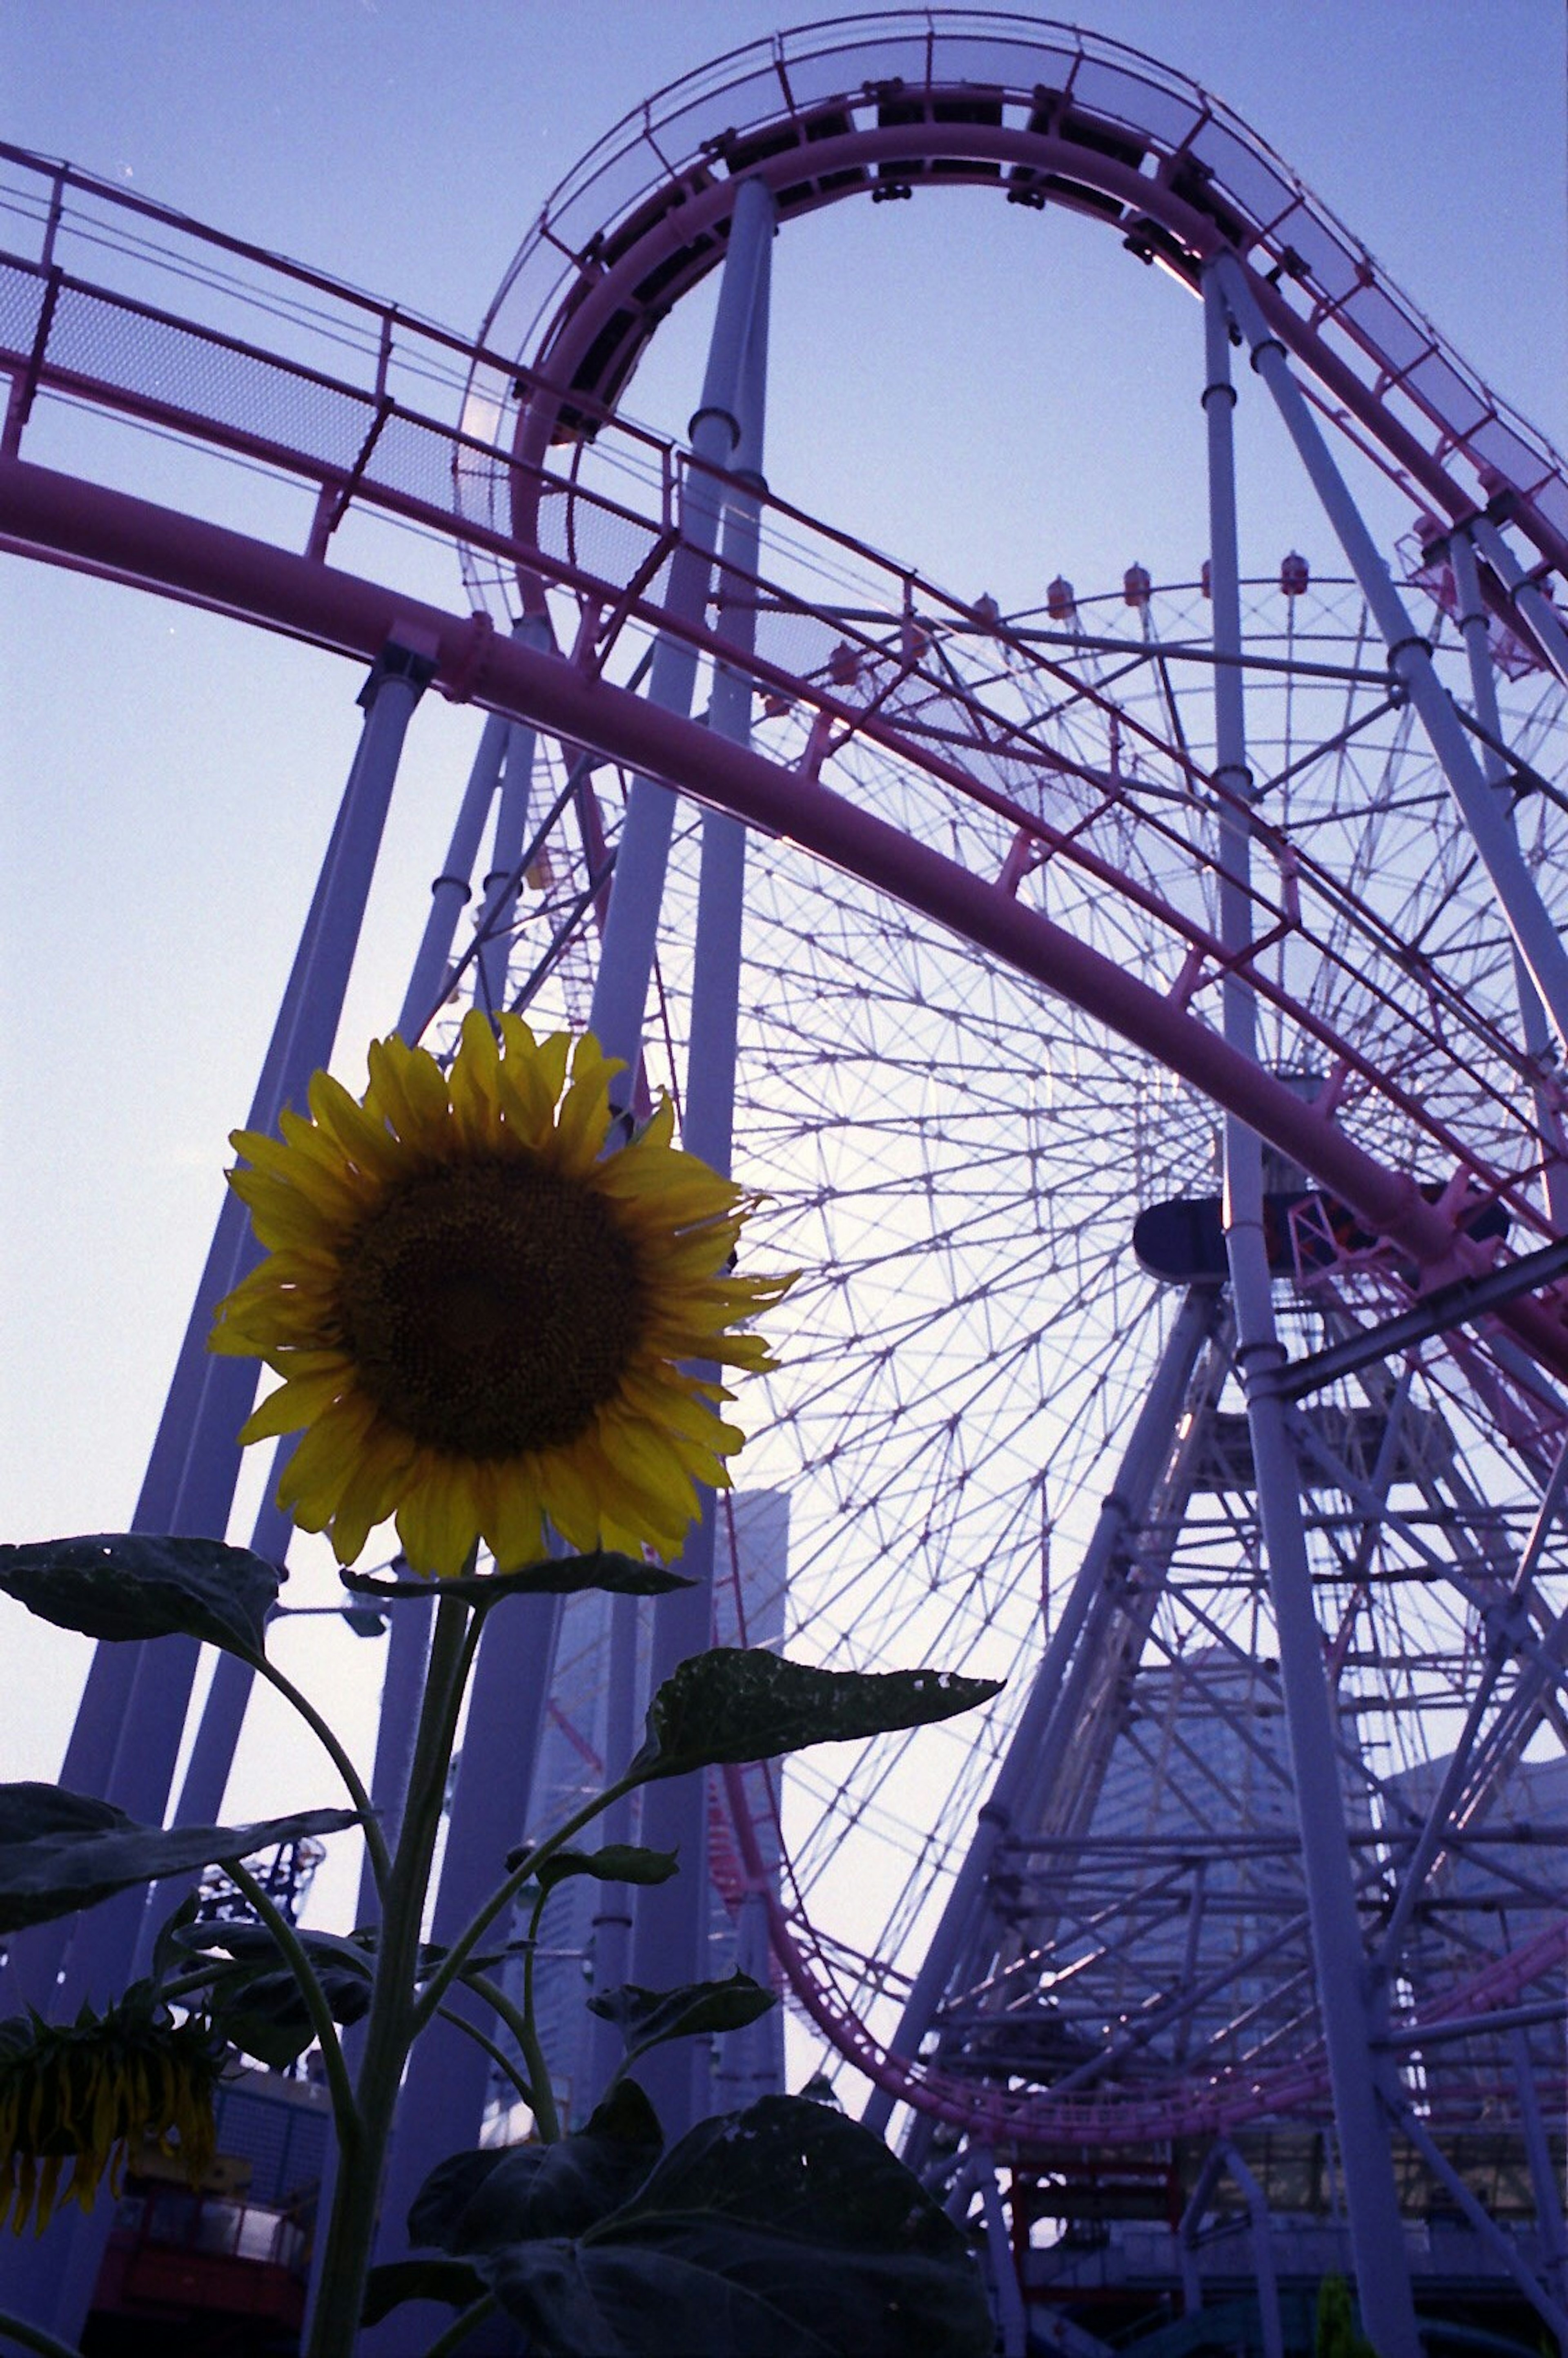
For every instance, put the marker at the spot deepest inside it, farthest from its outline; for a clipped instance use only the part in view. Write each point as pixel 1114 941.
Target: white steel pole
pixel 1347 2000
pixel 1409 659
pixel 516 781
pixel 432 2121
pixel 670 1935
pixel 626 956
pixel 1476 629
pixel 1533 604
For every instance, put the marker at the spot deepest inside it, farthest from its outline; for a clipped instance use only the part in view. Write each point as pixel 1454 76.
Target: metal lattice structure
pixel 1230 887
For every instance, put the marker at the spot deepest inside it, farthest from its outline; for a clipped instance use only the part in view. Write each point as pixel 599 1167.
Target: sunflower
pixel 78 2095
pixel 480 1316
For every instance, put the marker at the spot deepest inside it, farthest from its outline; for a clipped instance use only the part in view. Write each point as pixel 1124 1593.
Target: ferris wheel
pixel 1146 1035
pixel 960 1167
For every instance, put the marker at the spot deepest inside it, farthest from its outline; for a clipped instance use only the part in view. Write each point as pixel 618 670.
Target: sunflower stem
pixel 376 1841
pixel 345 2112
pixel 495 1998
pixel 455 1962
pixel 493 2047
pixel 545 2117
pixel 393 2018
pixel 479 1613
pixel 186 1984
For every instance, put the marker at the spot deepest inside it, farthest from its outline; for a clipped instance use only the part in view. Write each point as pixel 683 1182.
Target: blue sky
pixel 995 395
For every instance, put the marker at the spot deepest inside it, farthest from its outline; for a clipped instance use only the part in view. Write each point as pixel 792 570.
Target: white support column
pixel 1221 2160
pixel 438 2115
pixel 195 1458
pixel 1551 2227
pixel 1348 2002
pixel 1409 659
pixel 1475 630
pixel 1498 2246
pixel 670 1934
pixel 612 1911
pixel 1533 604
pixel 626 958
pixel 1011 2314
pixel 453 889
pixel 626 953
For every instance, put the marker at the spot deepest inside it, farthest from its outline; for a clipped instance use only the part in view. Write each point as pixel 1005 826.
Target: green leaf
pixel 59 1851
pixel 256 2003
pixel 170 1949
pixel 627 1576
pixel 248 1942
pixel 128 1584
pixel 783 2232
pixel 736 1705
pixel 30 1811
pixel 436 2213
pixel 452 2281
pixel 616 1863
pixel 647 2018
pixel 481 2202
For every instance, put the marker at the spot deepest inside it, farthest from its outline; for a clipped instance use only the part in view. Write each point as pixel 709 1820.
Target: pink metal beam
pixel 55 517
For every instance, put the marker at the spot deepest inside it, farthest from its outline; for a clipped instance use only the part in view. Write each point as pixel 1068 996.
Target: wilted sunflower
pixel 479 1314
pixel 77 2097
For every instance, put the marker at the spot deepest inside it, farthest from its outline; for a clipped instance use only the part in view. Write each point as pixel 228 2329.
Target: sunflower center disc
pixel 491 1307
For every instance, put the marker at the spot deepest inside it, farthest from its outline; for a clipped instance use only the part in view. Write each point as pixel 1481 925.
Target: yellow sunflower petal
pixel 475 1083
pixel 658 1195
pixel 281 1216
pixel 511 1521
pixel 532 1077
pixel 270 1318
pixel 326 1455
pixel 317 1265
pixel 570 1497
pixel 584 1115
pixel 303 1139
pixel 438 1521
pixel 697 1256
pixel 370 1492
pixel 658 1132
pixel 408 1091
pixel 627 1539
pixel 640 1472
pixel 365 1138
pixel 306 1395
pixel 670 1408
